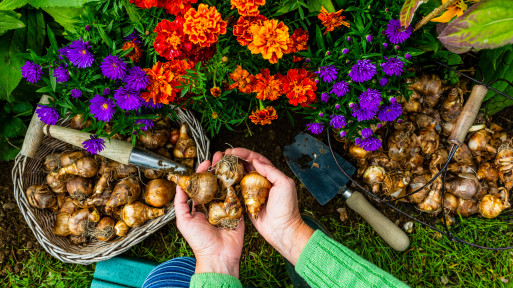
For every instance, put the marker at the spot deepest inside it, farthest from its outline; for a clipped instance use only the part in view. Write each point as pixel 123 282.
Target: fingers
pixel 217 156
pixel 182 210
pixel 275 176
pixel 203 167
pixel 249 156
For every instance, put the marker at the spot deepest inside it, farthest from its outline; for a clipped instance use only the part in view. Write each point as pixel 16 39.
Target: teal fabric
pixel 121 272
pixel 326 263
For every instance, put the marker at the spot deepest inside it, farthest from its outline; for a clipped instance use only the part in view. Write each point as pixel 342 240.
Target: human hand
pixel 216 250
pixel 279 221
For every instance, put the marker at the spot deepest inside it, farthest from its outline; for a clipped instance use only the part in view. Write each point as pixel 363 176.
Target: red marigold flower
pixel 263 116
pixel 299 87
pixel 136 53
pixel 176 7
pixel 247 7
pixel 266 86
pixel 298 41
pixel 171 42
pixel 270 39
pixel 242 80
pixel 215 91
pixel 241 29
pixel 204 25
pixel 332 20
pixel 165 80
pixel 296 59
pixel 145 4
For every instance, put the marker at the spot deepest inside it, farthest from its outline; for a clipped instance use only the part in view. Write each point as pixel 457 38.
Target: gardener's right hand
pixel 279 220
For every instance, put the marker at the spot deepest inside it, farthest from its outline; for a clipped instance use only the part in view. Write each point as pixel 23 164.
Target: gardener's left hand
pixel 216 250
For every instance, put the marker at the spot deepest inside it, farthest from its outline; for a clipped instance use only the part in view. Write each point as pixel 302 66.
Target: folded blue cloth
pixel 121 272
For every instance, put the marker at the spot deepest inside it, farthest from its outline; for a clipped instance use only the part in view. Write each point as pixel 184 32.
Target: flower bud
pixel 342 134
pixel 345 51
pixel 407 56
pixel 337 106
pixel 379 125
pixel 307 60
pixel 351 105
pixel 396 47
pixel 328 53
pixel 347 61
pixel 348 39
pixel 224 59
pixel 87 27
pixel 214 115
pixel 400 121
pixel 321 114
pixel 385 45
pixel 316 81
pixel 147 32
pixel 393 100
pixel 387 10
pixel 368 38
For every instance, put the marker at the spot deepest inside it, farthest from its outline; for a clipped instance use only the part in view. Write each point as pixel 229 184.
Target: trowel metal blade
pixel 313 164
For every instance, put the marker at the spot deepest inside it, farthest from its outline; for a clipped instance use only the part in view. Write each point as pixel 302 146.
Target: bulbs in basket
pixel 40 196
pixel 69 157
pixel 121 229
pixel 52 162
pixel 137 213
pixel 159 192
pixel 154 139
pixel 105 229
pixel 79 188
pixel 125 192
pixel 82 222
pixel 255 189
pixel 185 145
pixel 61 227
pixel 84 167
pixel 201 187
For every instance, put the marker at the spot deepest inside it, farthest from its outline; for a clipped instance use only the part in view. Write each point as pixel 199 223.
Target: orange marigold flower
pixel 176 7
pixel 215 91
pixel 242 80
pixel 241 29
pixel 136 53
pixel 165 80
pixel 296 59
pixel 332 20
pixel 247 7
pixel 266 86
pixel 270 39
pixel 299 86
pixel 298 41
pixel 171 42
pixel 145 4
pixel 263 116
pixel 203 25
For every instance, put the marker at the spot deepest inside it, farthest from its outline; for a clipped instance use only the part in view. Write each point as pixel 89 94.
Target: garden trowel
pixel 313 164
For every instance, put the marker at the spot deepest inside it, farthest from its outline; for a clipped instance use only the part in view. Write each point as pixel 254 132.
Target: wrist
pixel 295 239
pixel 217 265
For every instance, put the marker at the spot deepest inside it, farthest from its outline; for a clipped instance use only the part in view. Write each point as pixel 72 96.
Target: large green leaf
pixel 408 11
pixel 485 25
pixel 316 5
pixel 13 4
pixel 502 60
pixel 66 17
pixel 11 45
pixel 59 3
pixel 9 21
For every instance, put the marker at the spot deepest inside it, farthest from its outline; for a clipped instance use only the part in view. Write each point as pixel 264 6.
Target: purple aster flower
pixel 337 106
pixel 338 121
pixel 370 99
pixel 75 93
pixel 61 74
pixel 87 27
pixel 368 38
pixel 327 73
pixel 128 99
pixel 407 56
pixel 102 108
pixel 385 45
pixel 362 71
pixel 340 88
pixel 136 79
pixel 315 128
pixel 31 72
pixel 47 115
pixel 362 114
pixel 325 97
pixel 342 134
pixel 393 66
pixel 348 39
pixel 148 124
pixel 328 53
pixel 396 47
pixel 133 36
pixel 94 145
pixel 321 114
pixel 113 67
pixel 345 51
pixel 383 82
pixel 106 91
pixel 63 52
pixel 79 54
pixel 370 144
pixel 390 112
pixel 151 105
pixel 307 60
pixel 395 33
pixel 366 132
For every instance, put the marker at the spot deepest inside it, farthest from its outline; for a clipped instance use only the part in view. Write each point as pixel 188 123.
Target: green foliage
pixel 497 64
pixel 8 21
pixel 408 11
pixel 485 25
pixel 12 128
pixel 316 5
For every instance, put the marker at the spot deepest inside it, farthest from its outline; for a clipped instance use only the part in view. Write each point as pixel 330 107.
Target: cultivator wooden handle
pixel 34 134
pixel 468 115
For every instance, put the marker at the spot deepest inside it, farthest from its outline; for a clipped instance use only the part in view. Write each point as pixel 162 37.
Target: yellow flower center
pixel 105 106
pixel 174 41
pixel 83 52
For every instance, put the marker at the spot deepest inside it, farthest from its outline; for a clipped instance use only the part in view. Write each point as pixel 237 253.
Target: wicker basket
pixel 28 170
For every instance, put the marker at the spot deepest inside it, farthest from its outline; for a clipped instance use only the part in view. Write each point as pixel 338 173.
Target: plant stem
pixel 433 14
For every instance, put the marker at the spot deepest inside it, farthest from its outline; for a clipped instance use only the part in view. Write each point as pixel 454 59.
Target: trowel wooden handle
pixel 116 150
pixel 468 115
pixel 393 235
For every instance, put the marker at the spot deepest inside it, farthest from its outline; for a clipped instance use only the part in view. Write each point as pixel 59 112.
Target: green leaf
pixel 9 152
pixel 66 17
pixel 8 22
pixel 408 11
pixel 18 107
pixel 13 4
pixel 485 25
pixel 106 39
pixel 319 38
pixel 59 3
pixel 133 13
pixel 11 45
pixel 51 38
pixel 316 5
pixel 11 127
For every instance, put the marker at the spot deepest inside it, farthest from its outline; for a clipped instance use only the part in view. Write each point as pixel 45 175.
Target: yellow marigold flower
pixel 242 80
pixel 215 91
pixel 203 25
pixel 455 10
pixel 332 20
pixel 271 40
pixel 247 7
pixel 263 116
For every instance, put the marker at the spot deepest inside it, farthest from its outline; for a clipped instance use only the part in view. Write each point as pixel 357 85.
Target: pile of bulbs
pixel 415 149
pixel 95 198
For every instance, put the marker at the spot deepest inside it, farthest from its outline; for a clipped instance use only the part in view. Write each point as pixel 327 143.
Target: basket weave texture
pixel 28 171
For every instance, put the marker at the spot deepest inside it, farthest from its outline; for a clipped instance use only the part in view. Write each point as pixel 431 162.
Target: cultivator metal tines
pixel 463 124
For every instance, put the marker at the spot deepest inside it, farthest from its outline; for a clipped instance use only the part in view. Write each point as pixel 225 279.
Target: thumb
pixel 270 172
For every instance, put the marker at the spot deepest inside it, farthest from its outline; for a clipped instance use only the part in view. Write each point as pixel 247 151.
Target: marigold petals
pixel 263 116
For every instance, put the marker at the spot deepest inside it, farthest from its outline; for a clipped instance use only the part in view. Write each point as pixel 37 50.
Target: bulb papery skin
pixel 374 176
pixel 84 167
pixel 488 172
pixel 490 206
pixel 229 171
pixel 40 196
pixel 154 139
pixel 61 227
pixel 153 173
pixel 465 186
pixel 255 190
pixel 125 192
pixel 159 192
pixel 504 162
pixel 121 229
pixel 415 184
pixel 201 187
pixel 226 214
pixel 79 222
pixel 56 182
pixel 137 213
pixel 79 188
pixel 52 162
pixel 480 142
pixel 467 207
pixel 70 157
pixel 105 229
pixel 450 202
pixel 185 145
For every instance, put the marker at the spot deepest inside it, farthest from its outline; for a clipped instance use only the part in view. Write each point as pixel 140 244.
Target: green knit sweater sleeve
pixel 326 263
pixel 214 280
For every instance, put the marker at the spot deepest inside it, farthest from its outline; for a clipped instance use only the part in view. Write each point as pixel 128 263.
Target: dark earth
pixel 17 240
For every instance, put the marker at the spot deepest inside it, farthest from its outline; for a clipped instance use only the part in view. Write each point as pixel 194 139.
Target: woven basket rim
pixel 60 247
